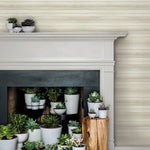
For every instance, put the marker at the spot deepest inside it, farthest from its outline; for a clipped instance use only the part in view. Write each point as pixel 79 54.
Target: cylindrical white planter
pixel 103 113
pixel 42 103
pixel 53 105
pixel 62 146
pixel 70 129
pixel 95 107
pixel 77 135
pixel 8 144
pixel 35 135
pixel 72 103
pixel 21 139
pixel 35 105
pixel 51 135
pixel 28 29
pixel 79 148
pixel 92 115
pixel 28 100
pixel 10 27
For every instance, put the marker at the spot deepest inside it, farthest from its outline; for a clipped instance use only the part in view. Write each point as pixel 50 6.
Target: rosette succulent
pixel 95 97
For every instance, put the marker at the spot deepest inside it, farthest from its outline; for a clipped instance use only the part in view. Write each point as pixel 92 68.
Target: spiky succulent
pixel 71 90
pixel 95 97
pixel 35 99
pixel 32 124
pixel 73 123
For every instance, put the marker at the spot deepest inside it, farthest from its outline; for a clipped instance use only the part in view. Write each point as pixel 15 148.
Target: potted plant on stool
pixel 103 111
pixel 92 113
pixel 7 139
pixel 77 133
pixel 60 109
pixel 35 102
pixel 72 125
pixel 11 23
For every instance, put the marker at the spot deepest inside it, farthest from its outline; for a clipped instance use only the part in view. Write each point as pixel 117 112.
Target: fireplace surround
pixel 64 51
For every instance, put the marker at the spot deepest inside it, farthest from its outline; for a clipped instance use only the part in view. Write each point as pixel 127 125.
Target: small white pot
pixel 42 103
pixel 35 135
pixel 51 135
pixel 53 105
pixel 103 113
pixel 28 29
pixel 10 27
pixel 28 100
pixel 72 103
pixel 21 139
pixel 35 105
pixel 17 29
pixel 59 111
pixel 70 130
pixel 92 115
pixel 62 146
pixel 8 144
pixel 79 148
pixel 77 135
pixel 95 107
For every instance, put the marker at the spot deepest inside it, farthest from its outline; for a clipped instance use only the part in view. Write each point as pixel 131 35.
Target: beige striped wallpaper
pixel 132 54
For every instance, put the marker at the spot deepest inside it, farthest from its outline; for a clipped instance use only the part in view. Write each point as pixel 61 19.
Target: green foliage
pixel 53 93
pixel 29 145
pixel 28 22
pixel 12 20
pixel 103 107
pixel 29 90
pixel 35 99
pixel 77 130
pixel 73 123
pixel 51 147
pixel 39 145
pixel 18 122
pixel 95 97
pixel 60 106
pixel 41 93
pixel 62 139
pixel 6 132
pixel 32 124
pixel 51 121
pixel 71 90
pixel 92 111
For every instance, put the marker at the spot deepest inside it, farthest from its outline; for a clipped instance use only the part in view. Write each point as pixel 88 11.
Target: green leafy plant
pixel 6 132
pixel 77 130
pixel 54 93
pixel 71 90
pixel 92 111
pixel 35 99
pixel 12 20
pixel 32 124
pixel 29 90
pixel 76 142
pixel 28 22
pixel 62 139
pixel 29 145
pixel 51 147
pixel 51 121
pixel 18 122
pixel 39 145
pixel 41 93
pixel 73 123
pixel 60 106
pixel 103 107
pixel 95 97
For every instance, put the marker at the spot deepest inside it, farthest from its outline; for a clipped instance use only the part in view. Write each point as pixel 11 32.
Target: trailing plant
pixel 73 123
pixel 60 106
pixel 12 20
pixel 39 145
pixel 29 145
pixel 51 121
pixel 103 107
pixel 6 132
pixel 51 147
pixel 28 22
pixel 76 142
pixel 54 93
pixel 18 122
pixel 29 90
pixel 77 130
pixel 35 99
pixel 32 124
pixel 95 97
pixel 62 139
pixel 92 111
pixel 71 90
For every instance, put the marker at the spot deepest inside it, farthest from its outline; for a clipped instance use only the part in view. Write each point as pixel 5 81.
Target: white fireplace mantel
pixel 64 51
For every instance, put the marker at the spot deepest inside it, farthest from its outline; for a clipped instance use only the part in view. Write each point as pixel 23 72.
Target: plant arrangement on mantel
pixel 72 125
pixel 7 139
pixel 77 133
pixel 53 94
pixel 35 102
pixel 33 129
pixel 18 122
pixel 92 113
pixel 51 129
pixel 103 111
pixel 28 25
pixel 11 22
pixel 95 100
pixel 60 109
pixel 71 97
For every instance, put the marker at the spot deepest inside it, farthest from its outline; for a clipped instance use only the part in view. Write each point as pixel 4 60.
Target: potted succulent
pixel 51 130
pixel 18 122
pixel 53 94
pixel 34 130
pixel 7 139
pixel 28 25
pixel 29 93
pixel 35 102
pixel 51 147
pixel 103 111
pixel 92 113
pixel 11 23
pixel 71 100
pixel 60 109
pixel 41 94
pixel 72 125
pixel 29 145
pixel 62 141
pixel 77 133
pixel 17 28
pixel 40 145
pixel 95 100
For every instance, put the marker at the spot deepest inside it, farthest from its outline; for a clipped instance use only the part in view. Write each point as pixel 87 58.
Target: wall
pixel 132 80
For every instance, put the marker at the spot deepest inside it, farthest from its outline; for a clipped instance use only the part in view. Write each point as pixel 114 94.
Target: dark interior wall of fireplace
pixel 89 80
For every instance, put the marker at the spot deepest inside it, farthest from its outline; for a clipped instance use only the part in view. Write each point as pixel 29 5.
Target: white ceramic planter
pixel 28 29
pixel 21 139
pixel 17 29
pixel 95 107
pixel 63 146
pixel 72 103
pixel 70 130
pixel 79 148
pixel 35 135
pixel 51 135
pixel 35 105
pixel 53 105
pixel 103 113
pixel 8 144
pixel 59 111
pixel 28 100
pixel 78 136
pixel 10 27
pixel 42 103
pixel 92 115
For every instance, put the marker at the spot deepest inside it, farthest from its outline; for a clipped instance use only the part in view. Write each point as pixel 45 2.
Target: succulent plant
pixel 73 123
pixel 12 20
pixel 71 90
pixel 103 107
pixel 35 99
pixel 29 145
pixel 41 93
pixel 62 139
pixel 39 145
pixel 29 90
pixel 77 130
pixel 76 142
pixel 28 22
pixel 51 147
pixel 60 106
pixel 95 97
pixel 91 111
pixel 32 124
pixel 66 148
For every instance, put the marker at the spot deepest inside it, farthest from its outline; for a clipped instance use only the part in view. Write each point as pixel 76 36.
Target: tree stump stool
pixel 95 133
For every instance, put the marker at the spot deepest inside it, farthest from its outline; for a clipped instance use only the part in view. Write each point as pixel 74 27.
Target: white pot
pixel 72 103
pixel 51 135
pixel 79 148
pixel 35 135
pixel 17 29
pixel 53 105
pixel 28 29
pixel 28 100
pixel 10 27
pixel 21 139
pixel 92 115
pixel 77 135
pixel 70 129
pixel 8 144
pixel 42 103
pixel 35 105
pixel 59 111
pixel 95 107
pixel 103 113
pixel 62 146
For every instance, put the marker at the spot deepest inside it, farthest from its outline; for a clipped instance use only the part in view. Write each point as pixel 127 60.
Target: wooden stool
pixel 95 133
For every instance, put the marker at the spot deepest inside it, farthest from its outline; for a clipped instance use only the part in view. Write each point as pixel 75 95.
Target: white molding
pixel 132 148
